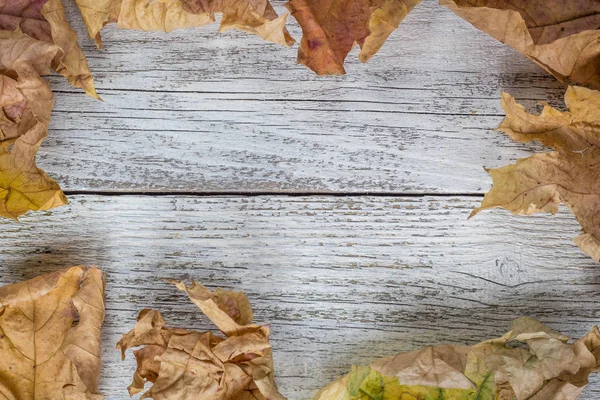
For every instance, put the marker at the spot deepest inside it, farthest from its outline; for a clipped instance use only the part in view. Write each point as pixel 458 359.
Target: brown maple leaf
pixel 26 102
pixel 253 16
pixel 180 361
pixel 44 353
pixel 331 28
pixel 569 175
pixel 563 37
pixel 529 362
pixel 45 20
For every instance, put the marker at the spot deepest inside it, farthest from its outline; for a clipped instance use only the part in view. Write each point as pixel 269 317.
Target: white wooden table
pixel 337 204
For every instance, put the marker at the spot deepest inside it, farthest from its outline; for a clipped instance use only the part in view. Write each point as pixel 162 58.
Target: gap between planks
pixel 163 193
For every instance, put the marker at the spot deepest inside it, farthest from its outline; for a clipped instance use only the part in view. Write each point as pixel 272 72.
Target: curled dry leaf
pixel 331 28
pixel 253 16
pixel 529 362
pixel 50 336
pixel 563 37
pixel 45 20
pixel 181 362
pixel 568 175
pixel 26 101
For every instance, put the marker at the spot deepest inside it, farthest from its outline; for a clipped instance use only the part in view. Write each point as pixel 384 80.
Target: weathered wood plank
pixel 199 111
pixel 340 279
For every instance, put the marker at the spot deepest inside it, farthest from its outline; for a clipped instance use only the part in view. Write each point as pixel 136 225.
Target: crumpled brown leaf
pixel 570 174
pixel 182 362
pixel 26 102
pixel 563 37
pixel 529 362
pixel 45 20
pixel 43 354
pixel 331 28
pixel 253 16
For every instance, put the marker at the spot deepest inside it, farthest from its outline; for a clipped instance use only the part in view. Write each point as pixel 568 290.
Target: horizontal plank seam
pixel 264 193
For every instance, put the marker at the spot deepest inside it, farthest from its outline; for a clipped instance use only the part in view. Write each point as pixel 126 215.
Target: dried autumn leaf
pixel 44 354
pixel 562 37
pixel 26 102
pixel 45 20
pixel 180 362
pixel 568 175
pixel 331 28
pixel 253 16
pixel 529 362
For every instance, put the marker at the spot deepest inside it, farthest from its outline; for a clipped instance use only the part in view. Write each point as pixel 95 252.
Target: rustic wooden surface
pixel 338 205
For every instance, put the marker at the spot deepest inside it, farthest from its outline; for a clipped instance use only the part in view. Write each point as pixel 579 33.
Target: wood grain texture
pixel 341 280
pixel 198 111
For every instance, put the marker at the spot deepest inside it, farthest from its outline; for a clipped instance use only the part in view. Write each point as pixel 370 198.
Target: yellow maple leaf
pixel 238 366
pixel 44 353
pixel 253 16
pixel 529 362
pixel 560 36
pixel 568 175
pixel 26 102
pixel 331 28
pixel 46 21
